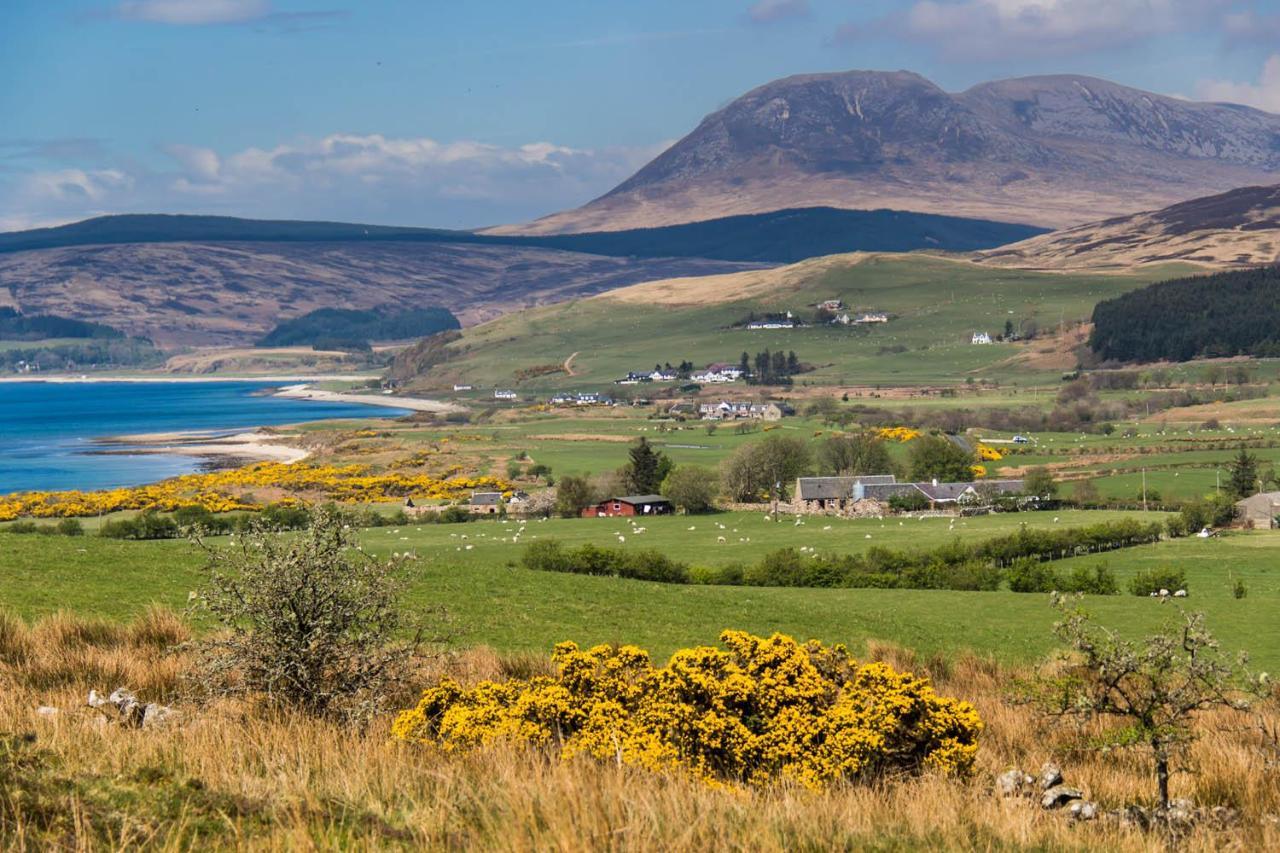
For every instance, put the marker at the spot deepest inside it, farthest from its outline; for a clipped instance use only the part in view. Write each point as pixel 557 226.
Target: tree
pixel 1243 480
pixel 309 621
pixel 691 488
pixel 1085 493
pixel 573 495
pixel 646 470
pixel 754 470
pixel 1154 687
pixel 1039 483
pixel 935 457
pixel 850 455
pixel 745 363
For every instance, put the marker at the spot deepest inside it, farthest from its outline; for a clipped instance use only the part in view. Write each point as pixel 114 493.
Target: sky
pixel 463 114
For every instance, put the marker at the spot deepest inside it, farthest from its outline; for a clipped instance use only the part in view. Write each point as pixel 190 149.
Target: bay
pixel 47 429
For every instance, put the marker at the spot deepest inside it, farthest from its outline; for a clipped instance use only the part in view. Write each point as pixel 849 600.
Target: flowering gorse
pixel 763 710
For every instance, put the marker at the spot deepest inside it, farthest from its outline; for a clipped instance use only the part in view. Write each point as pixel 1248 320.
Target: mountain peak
pixel 1051 150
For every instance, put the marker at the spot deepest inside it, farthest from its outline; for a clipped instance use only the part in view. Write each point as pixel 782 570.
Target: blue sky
pixel 463 114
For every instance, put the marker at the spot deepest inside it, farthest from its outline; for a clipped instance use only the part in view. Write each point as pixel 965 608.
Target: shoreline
pixel 304 391
pixel 256 445
pixel 169 379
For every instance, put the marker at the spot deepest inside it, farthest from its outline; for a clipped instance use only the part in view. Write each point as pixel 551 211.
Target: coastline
pixel 168 378
pixel 248 446
pixel 304 391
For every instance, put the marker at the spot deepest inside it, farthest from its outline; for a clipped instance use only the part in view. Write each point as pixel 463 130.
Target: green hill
pixel 778 237
pixel 935 306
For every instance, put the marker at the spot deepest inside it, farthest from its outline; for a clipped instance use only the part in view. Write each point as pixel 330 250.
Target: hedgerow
pixel 760 712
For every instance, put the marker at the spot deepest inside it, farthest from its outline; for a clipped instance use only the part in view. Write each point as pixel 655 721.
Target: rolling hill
pixel 1234 229
pixel 935 304
pixel 1054 151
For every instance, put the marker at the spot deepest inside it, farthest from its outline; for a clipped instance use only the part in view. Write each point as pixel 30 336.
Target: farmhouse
pixel 1260 511
pixel 501 394
pixel 831 305
pixel 718 373
pixel 485 503
pixel 728 410
pixel 461 387
pixel 630 505
pixel 980 338
pixel 872 317
pixel 818 494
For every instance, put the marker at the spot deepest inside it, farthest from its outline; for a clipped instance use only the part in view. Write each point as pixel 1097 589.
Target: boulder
pixel 1014 782
pixel 1059 795
pixel 1083 810
pixel 123 707
pixel 1050 775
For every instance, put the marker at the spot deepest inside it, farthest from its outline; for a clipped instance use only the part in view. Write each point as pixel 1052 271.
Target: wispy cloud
pixel 772 11
pixel 369 177
pixel 1263 94
pixel 193 12
pixel 986 29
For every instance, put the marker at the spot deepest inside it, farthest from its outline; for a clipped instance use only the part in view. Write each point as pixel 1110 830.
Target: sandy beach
pixel 253 446
pixel 416 404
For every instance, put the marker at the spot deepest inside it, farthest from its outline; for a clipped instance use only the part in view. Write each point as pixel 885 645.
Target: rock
pixel 1083 810
pixel 1050 775
pixel 1179 812
pixel 1014 782
pixel 156 715
pixel 123 707
pixel 1060 795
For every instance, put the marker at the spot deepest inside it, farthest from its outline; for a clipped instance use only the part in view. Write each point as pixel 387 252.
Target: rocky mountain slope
pixel 1053 151
pixel 185 294
pixel 1233 229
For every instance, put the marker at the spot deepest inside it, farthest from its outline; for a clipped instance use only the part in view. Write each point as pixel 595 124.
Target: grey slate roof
pixel 636 500
pixel 835 488
pixel 486 498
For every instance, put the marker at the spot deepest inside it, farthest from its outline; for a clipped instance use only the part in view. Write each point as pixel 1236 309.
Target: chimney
pixel 935 482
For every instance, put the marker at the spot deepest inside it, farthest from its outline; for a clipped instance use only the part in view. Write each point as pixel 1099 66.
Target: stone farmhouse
pixel 870 494
pixel 728 410
pixel 1259 512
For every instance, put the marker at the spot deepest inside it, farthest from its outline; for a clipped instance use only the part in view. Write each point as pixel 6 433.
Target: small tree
pixel 937 457
pixel 848 455
pixel 1155 687
pixel 1039 482
pixel 647 469
pixel 1243 481
pixel 691 487
pixel 573 495
pixel 310 621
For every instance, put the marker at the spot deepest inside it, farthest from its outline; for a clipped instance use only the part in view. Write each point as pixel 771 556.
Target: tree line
pixel 1219 315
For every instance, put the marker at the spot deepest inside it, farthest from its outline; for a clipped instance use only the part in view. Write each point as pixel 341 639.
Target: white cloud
pixel 344 176
pixel 1264 94
pixel 193 12
pixel 769 11
pixel 986 28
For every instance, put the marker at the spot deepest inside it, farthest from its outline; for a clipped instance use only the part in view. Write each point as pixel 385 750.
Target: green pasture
pixel 491 600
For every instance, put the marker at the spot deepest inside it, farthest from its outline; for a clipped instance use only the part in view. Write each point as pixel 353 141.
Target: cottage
pixel 831 305
pixel 630 505
pixel 941 494
pixel 980 338
pixel 728 410
pixel 500 394
pixel 819 494
pixel 718 373
pixel 485 503
pixel 461 387
pixel 1259 512
pixel 872 317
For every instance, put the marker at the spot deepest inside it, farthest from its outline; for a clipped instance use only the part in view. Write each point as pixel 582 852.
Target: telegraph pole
pixel 1144 489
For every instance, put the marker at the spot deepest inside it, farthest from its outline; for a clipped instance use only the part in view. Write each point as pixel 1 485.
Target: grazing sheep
pixel 1182 593
pixel 1164 593
pixel 721 539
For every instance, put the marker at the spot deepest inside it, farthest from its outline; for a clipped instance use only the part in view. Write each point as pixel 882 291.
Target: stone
pixel 1060 795
pixel 46 711
pixel 1014 782
pixel 1050 775
pixel 1083 810
pixel 123 707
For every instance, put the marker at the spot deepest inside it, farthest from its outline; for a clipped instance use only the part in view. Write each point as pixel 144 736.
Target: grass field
pixel 493 601
pixel 937 304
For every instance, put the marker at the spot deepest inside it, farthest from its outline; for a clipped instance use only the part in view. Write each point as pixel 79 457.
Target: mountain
pixel 781 236
pixel 187 294
pixel 1232 229
pixel 1053 151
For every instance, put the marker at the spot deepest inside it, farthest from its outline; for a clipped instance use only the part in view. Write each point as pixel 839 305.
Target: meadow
pixel 492 601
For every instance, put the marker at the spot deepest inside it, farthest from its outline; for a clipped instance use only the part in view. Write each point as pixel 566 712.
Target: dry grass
pixel 232 775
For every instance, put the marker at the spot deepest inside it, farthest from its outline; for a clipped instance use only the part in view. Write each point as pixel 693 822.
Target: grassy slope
pixel 511 608
pixel 939 303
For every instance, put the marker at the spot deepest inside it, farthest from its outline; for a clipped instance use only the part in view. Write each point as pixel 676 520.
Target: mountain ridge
pixel 1051 150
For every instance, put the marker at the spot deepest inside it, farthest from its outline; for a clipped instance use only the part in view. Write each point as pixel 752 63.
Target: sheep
pixel 1182 593
pixel 1164 593
pixel 721 539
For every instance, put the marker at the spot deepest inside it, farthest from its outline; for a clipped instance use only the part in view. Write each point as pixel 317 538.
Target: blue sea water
pixel 47 430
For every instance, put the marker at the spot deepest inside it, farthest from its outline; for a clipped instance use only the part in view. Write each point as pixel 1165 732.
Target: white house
pixel 462 387
pixel 872 317
pixel 503 394
pixel 981 338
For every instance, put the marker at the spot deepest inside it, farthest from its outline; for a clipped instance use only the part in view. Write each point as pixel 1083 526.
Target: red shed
pixel 630 505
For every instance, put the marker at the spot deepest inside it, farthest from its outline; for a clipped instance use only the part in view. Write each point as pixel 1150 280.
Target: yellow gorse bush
pixel 759 711
pixel 987 453
pixel 899 433
pixel 218 491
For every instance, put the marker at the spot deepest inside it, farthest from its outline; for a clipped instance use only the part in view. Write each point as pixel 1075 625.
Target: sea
pixel 48 429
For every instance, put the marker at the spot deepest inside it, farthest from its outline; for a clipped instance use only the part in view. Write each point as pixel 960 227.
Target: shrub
pixel 70 527
pixel 1032 576
pixel 1099 580
pixel 308 621
pixel 21 527
pixel 692 488
pixel 549 555
pixel 1147 581
pixel 145 525
pixel 1239 590
pixel 764 710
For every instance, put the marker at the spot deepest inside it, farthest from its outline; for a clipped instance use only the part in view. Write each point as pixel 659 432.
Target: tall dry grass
pixel 230 774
